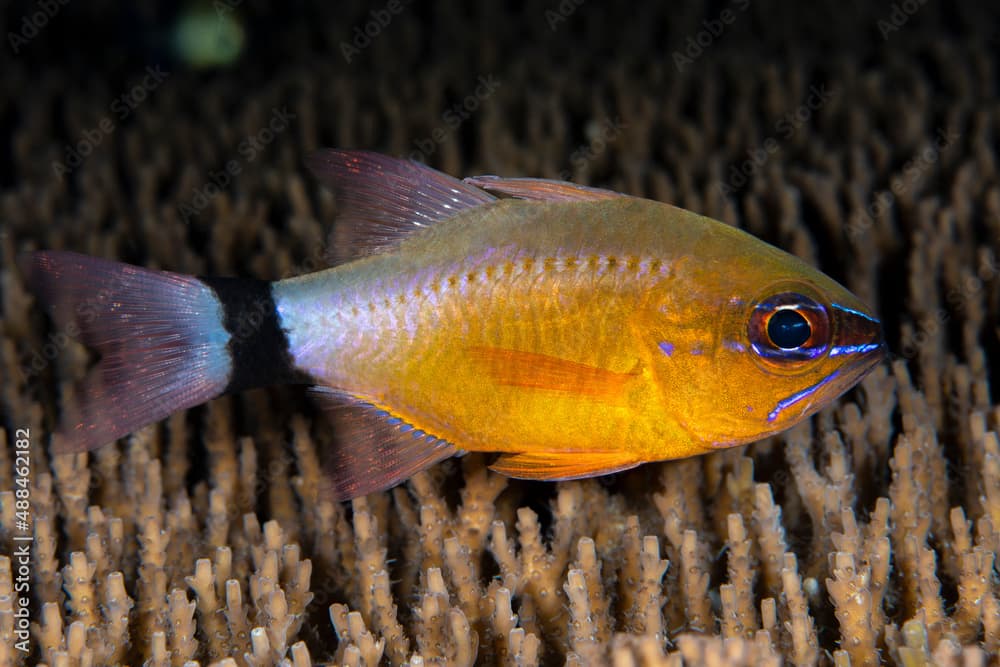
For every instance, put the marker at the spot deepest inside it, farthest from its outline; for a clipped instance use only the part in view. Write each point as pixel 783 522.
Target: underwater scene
pixel 531 333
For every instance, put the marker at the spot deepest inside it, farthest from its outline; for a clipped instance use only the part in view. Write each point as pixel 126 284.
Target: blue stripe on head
pixel 864 348
pixel 798 396
pixel 851 311
pixel 666 348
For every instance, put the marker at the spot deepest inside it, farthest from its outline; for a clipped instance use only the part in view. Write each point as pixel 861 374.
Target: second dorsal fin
pixel 383 199
pixel 541 189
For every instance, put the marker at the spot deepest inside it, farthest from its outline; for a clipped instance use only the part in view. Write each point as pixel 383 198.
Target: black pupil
pixel 788 329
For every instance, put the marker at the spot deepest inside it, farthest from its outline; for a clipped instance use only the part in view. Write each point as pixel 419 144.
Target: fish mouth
pixel 860 342
pixel 862 347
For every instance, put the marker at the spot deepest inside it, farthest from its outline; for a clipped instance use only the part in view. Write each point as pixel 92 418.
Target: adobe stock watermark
pixel 786 126
pixel 899 15
pixel 562 11
pixel 120 109
pixel 22 558
pixel 902 183
pixel 601 136
pixel 363 35
pixel 453 117
pixel 249 148
pixel 711 30
pixel 34 23
pixel 957 298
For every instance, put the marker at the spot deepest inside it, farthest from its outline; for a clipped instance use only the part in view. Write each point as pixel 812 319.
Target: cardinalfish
pixel 571 330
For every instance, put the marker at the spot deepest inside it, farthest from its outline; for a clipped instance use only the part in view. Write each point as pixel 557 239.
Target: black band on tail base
pixel 258 345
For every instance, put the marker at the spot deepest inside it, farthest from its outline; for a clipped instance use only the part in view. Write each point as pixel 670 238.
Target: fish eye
pixel 789 328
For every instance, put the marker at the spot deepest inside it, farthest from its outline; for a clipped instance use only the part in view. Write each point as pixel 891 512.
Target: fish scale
pixel 382 307
pixel 434 375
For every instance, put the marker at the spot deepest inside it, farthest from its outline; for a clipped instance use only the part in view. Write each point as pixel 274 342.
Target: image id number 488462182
pixel 23 538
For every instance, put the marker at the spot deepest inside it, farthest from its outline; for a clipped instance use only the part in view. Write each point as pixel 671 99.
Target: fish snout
pixel 860 340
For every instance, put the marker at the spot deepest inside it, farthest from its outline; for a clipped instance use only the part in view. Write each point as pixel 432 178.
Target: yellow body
pixel 612 330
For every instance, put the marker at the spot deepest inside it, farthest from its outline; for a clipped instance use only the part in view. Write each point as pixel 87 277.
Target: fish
pixel 570 331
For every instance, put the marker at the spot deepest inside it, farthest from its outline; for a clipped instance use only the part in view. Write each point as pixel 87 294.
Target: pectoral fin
pixel 556 466
pixel 531 370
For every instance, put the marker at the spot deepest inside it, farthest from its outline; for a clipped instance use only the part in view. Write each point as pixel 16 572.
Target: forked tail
pixel 161 337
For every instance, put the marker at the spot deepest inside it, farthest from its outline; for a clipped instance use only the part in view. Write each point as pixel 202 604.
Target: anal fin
pixel 561 466
pixel 374 450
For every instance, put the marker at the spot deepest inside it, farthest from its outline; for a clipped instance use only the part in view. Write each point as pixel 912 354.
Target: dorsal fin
pixel 542 189
pixel 374 450
pixel 382 199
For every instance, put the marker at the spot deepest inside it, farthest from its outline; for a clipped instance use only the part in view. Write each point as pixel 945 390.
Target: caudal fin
pixel 160 336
